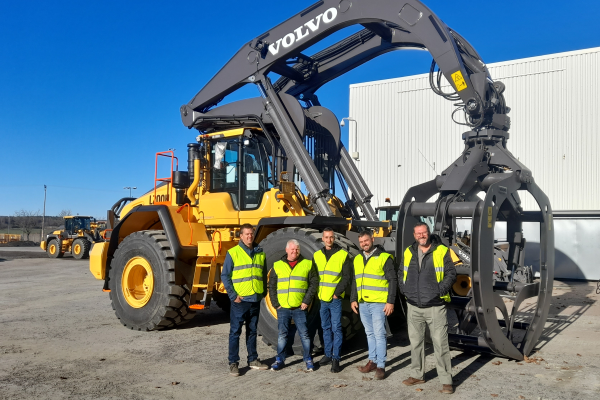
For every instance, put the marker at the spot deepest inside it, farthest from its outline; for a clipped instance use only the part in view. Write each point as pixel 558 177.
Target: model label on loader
pixel 160 198
pixel 312 25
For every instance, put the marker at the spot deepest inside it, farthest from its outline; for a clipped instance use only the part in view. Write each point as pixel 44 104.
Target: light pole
pixel 44 214
pixel 130 188
pixel 342 123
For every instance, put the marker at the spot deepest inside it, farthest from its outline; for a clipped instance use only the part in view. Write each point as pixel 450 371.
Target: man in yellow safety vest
pixel 244 278
pixel 426 278
pixel 374 293
pixel 335 272
pixel 293 282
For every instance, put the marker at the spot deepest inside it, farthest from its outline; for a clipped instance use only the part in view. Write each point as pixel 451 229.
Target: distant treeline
pixel 37 222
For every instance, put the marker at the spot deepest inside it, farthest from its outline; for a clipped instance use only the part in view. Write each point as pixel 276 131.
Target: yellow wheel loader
pixel 275 161
pixel 77 238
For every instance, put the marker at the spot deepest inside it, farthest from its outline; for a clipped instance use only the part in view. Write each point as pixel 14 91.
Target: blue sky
pixel 90 91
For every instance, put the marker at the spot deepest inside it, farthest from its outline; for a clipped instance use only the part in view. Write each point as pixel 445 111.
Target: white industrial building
pixel 404 134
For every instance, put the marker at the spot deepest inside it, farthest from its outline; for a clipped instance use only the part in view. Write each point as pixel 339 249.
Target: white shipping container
pixel 405 136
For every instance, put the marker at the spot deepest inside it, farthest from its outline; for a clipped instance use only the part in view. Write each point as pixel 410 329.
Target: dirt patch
pixel 20 244
pixel 62 340
pixel 11 255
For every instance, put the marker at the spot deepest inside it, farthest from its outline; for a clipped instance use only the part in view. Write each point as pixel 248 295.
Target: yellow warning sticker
pixel 490 216
pixel 459 81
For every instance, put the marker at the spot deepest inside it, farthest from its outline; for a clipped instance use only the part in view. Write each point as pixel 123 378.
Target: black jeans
pixel 243 312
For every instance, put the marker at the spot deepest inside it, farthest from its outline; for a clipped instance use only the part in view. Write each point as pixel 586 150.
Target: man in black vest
pixel 425 280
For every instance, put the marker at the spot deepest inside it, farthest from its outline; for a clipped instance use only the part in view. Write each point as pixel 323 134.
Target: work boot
pixel 256 364
pixel 324 361
pixel 370 367
pixel 234 370
pixel 335 366
pixel 447 389
pixel 379 374
pixel 412 381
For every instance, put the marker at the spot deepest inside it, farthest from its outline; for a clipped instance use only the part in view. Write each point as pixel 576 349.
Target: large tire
pixel 156 304
pixel 310 241
pixel 54 249
pixel 81 248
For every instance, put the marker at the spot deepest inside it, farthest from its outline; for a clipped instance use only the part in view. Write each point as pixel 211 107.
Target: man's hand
pixel 335 297
pixel 238 299
pixel 279 308
pixel 303 306
pixel 354 306
pixel 388 309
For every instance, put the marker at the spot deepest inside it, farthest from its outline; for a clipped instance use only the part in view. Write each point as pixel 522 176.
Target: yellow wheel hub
pixel 137 282
pixel 77 248
pixel 270 307
pixel 462 285
pixel 52 249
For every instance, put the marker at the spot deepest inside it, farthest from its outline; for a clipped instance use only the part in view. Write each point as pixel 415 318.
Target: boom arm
pixel 389 24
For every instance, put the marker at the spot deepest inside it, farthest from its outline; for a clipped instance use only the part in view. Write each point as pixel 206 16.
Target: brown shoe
pixel 412 381
pixel 370 367
pixel 448 389
pixel 379 374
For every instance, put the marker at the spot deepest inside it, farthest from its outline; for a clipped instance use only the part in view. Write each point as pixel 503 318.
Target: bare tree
pixel 27 220
pixel 64 213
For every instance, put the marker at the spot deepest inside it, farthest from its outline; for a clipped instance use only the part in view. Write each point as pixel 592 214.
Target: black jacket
pixel 344 284
pixel 389 270
pixel 313 283
pixel 421 288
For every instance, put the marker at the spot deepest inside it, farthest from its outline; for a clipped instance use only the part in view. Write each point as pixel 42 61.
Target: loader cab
pixel 76 223
pixel 240 167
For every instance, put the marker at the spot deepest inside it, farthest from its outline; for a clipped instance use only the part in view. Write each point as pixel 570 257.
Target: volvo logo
pixel 303 31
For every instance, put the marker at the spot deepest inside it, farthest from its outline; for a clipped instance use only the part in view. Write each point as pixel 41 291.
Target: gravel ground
pixel 59 339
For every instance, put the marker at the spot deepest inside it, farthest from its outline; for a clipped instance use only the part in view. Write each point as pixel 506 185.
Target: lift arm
pixel 389 25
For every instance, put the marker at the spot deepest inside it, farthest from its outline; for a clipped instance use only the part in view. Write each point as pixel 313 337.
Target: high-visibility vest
pixel 292 283
pixel 247 273
pixel 371 284
pixel 438 263
pixel 330 272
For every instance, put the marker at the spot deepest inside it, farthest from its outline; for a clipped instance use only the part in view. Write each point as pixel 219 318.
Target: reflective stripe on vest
pixel 247 273
pixel 330 272
pixel 438 263
pixel 371 284
pixel 292 283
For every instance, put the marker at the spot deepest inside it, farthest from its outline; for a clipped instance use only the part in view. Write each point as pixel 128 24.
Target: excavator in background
pixel 252 158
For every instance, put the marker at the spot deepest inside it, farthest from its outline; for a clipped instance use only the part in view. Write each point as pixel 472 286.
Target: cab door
pixel 255 184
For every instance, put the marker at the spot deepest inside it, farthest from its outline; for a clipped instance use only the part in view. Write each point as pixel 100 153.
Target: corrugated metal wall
pixel 406 136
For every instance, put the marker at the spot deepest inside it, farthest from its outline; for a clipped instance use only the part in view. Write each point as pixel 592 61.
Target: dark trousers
pixel 243 312
pixel 284 319
pixel 331 322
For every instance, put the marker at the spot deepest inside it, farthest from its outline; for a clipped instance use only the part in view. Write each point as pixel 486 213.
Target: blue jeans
pixel 243 312
pixel 331 322
pixel 284 318
pixel 373 319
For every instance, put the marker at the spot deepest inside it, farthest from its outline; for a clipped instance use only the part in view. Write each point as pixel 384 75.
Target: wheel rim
pixel 52 248
pixel 137 282
pixel 77 248
pixel 270 307
pixel 462 285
